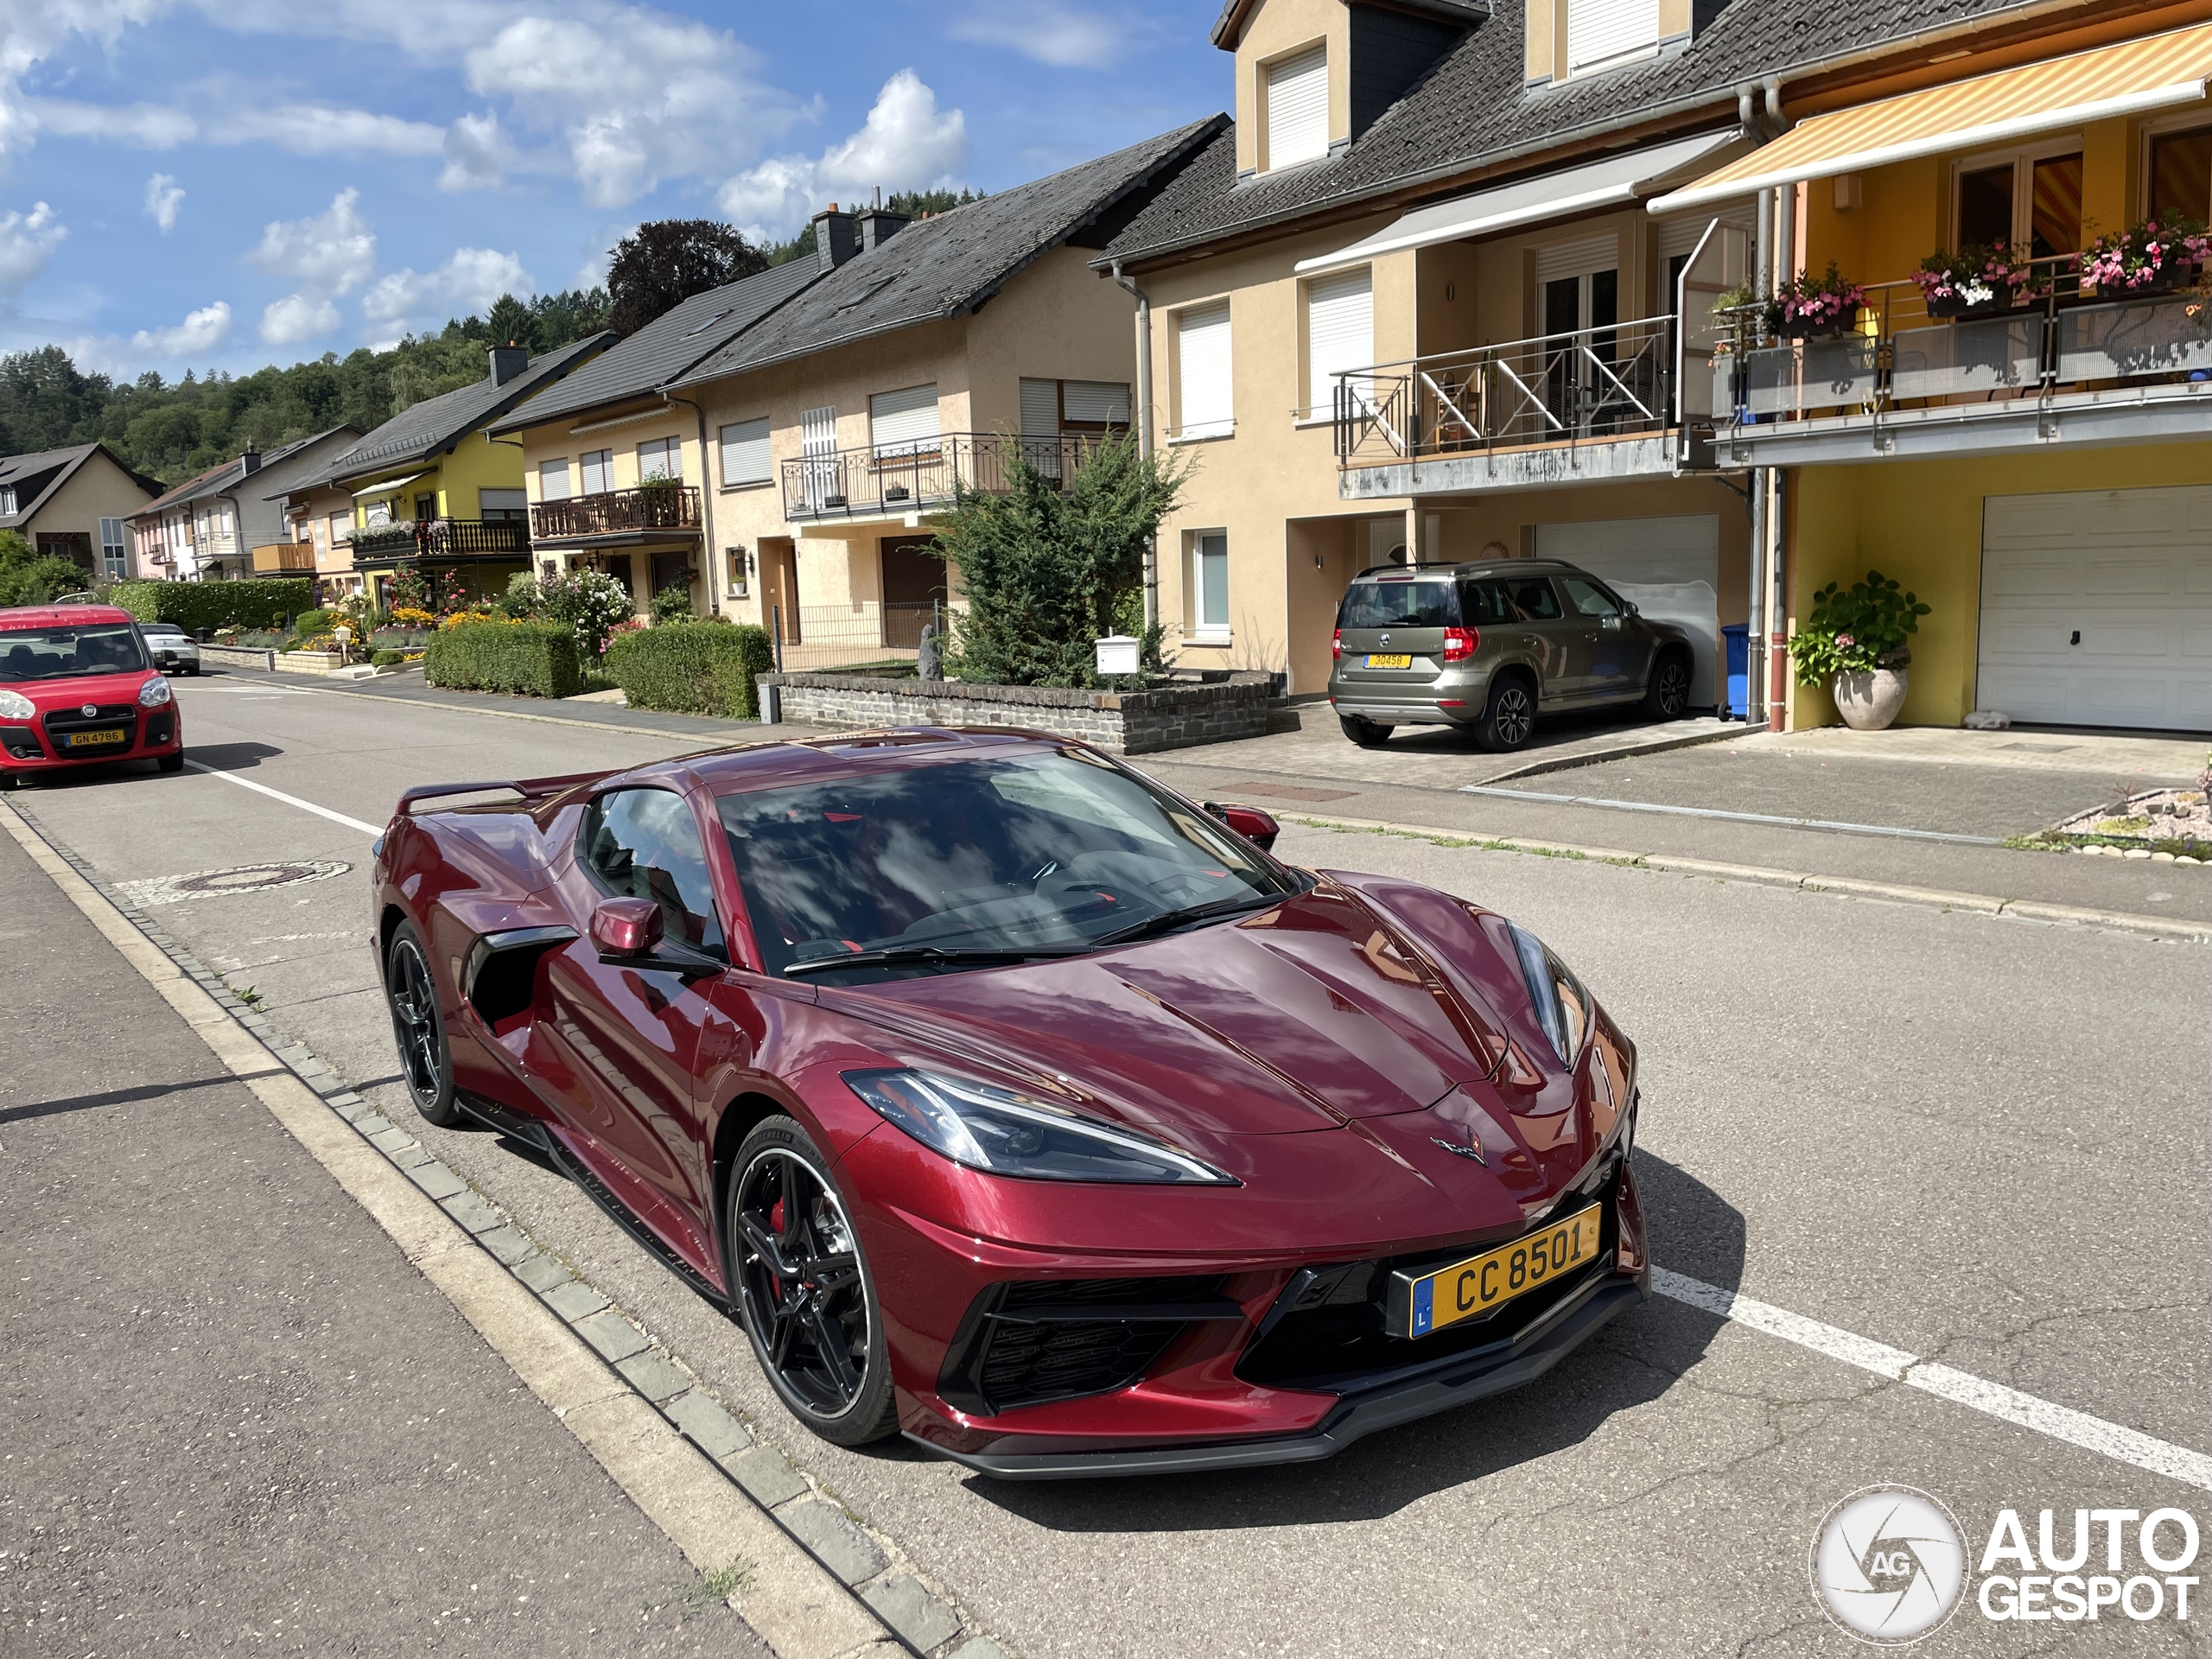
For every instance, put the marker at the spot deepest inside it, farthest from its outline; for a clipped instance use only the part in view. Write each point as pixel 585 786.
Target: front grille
pixel 1026 1344
pixel 62 723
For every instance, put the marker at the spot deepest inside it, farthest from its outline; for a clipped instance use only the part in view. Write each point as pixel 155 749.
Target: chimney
pixel 878 226
pixel 508 361
pixel 834 240
pixel 248 461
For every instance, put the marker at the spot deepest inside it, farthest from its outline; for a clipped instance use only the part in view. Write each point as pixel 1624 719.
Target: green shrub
pixel 314 622
pixel 692 668
pixel 537 659
pixel 194 606
pixel 385 658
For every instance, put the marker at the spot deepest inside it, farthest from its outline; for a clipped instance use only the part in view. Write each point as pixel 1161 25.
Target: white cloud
pixel 906 144
pixel 297 317
pixel 326 255
pixel 33 30
pixel 164 196
pixel 202 332
pixel 467 283
pixel 142 126
pixel 26 244
pixel 1051 31
pixel 327 129
pixel 478 154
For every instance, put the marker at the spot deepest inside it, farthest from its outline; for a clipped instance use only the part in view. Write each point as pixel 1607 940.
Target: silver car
pixel 172 649
pixel 1488 647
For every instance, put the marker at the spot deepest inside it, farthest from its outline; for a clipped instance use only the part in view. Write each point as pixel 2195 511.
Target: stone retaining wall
pixel 1120 722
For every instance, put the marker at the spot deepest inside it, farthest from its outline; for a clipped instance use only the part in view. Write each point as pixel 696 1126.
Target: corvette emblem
pixel 89 710
pixel 1458 1151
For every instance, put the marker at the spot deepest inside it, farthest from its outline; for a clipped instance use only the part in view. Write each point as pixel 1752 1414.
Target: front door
pixel 779 588
pixel 913 587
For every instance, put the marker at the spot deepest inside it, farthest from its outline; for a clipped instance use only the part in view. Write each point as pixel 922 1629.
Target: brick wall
pixel 1120 722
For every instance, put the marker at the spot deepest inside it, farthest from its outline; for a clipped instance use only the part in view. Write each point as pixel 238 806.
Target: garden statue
pixel 928 665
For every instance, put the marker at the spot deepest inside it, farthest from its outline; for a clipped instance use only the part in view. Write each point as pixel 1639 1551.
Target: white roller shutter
pixel 1040 409
pixel 1298 108
pixel 1669 568
pixel 1340 334
pixel 1203 388
pixel 1582 259
pixel 553 479
pixel 1106 401
pixel 745 453
pixel 1599 31
pixel 903 422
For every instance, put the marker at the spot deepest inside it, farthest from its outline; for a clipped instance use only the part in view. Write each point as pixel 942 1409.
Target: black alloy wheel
pixel 1366 733
pixel 1508 716
pixel 1669 694
pixel 419 1028
pixel 803 1288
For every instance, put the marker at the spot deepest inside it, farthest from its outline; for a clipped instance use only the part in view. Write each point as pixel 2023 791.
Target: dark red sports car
pixel 1013 1102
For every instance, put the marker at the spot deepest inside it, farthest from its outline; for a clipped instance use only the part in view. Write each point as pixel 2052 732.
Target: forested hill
pixel 176 429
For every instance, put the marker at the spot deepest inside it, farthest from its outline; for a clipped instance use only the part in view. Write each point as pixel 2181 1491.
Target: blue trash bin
pixel 1739 638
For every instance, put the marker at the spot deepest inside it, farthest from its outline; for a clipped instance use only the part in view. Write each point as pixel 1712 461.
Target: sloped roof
pixel 49 469
pixel 226 476
pixel 667 346
pixel 436 424
pixel 955 261
pixel 1472 110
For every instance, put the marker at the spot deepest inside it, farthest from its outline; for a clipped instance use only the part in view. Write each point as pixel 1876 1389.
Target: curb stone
pixel 790 1495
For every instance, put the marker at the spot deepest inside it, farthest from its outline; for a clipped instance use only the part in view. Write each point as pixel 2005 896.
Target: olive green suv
pixel 1490 646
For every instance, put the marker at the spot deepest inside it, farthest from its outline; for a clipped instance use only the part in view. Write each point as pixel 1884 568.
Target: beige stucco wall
pixel 1276 30
pixel 98 489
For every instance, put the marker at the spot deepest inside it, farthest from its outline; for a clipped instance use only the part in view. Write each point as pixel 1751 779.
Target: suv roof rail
pixel 1427 564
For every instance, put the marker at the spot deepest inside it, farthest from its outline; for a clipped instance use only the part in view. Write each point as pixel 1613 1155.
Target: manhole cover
pixel 245 878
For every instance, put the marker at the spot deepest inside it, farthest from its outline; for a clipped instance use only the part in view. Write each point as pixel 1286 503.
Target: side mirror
pixel 626 930
pixel 1257 827
pixel 1629 605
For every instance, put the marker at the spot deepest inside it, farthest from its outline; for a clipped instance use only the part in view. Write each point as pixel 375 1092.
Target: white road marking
pixel 2112 1440
pixel 288 800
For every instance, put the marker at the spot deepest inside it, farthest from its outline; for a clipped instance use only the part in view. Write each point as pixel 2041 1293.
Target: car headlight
pixel 1006 1134
pixel 1562 1006
pixel 155 693
pixel 13 705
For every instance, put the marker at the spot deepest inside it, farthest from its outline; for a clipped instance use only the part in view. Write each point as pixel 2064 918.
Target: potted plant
pixel 2152 257
pixel 1977 280
pixel 1853 642
pixel 1808 307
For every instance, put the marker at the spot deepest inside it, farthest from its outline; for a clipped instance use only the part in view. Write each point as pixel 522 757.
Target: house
pixel 607 451
pixel 224 524
pixel 1440 295
pixel 73 503
pixel 431 491
pixel 828 434
pixel 2035 467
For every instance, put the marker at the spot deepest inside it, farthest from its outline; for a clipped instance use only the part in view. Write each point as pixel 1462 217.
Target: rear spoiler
pixel 530 790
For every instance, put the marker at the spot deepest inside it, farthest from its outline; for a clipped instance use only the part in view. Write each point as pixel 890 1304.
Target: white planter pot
pixel 1869 699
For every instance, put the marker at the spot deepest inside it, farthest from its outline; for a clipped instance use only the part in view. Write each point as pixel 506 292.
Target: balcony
pixel 903 482
pixel 1586 406
pixel 458 540
pixel 2068 367
pixel 654 511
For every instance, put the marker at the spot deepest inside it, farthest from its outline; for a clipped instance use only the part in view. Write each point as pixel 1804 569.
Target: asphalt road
pixel 1979 1139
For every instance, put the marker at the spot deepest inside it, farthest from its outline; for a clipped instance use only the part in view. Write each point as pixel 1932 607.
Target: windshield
pixel 70 653
pixel 1399 604
pixel 1045 850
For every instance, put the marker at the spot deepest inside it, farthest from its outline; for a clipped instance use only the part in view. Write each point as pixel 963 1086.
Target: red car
pixel 1013 1102
pixel 77 684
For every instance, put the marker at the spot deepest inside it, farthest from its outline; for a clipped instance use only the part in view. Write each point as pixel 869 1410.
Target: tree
pixel 1046 566
pixel 666 261
pixel 27 577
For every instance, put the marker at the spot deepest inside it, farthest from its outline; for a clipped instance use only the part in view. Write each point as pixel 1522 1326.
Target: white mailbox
pixel 1117 654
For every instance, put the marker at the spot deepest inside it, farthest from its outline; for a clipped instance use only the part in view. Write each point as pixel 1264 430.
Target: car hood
pixel 49 694
pixel 1315 1012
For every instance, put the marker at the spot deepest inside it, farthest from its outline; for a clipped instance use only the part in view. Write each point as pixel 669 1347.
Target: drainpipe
pixel 706 506
pixel 1785 237
pixel 1755 632
pixel 1144 433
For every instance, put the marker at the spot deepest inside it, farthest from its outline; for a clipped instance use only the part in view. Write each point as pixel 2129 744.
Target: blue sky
pixel 226 183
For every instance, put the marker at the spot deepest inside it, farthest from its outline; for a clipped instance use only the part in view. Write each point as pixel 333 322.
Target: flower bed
pixel 2171 825
pixel 1120 722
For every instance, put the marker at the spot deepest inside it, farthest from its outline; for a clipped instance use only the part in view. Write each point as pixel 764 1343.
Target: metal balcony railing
pixel 1593 382
pixel 440 538
pixel 616 512
pixel 910 476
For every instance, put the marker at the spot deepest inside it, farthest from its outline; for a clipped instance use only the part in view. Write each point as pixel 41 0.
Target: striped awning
pixel 2159 72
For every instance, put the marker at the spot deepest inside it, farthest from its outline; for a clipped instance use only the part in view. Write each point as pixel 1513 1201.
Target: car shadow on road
pixel 1630 1364
pixel 231 757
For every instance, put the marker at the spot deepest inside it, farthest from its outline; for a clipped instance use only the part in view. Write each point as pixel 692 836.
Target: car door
pixel 1612 656
pixel 626 1035
pixel 1550 637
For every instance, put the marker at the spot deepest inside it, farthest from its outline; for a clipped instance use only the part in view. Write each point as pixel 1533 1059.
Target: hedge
pixel 538 659
pixel 692 668
pixel 196 604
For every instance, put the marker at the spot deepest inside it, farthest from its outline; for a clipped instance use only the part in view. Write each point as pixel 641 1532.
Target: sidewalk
pixel 238 1417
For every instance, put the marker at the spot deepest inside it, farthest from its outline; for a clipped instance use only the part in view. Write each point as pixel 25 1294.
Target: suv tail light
pixel 1337 645
pixel 1460 644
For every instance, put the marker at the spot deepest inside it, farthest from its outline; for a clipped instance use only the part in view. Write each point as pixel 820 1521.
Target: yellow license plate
pixel 96 740
pixel 1390 660
pixel 1469 1289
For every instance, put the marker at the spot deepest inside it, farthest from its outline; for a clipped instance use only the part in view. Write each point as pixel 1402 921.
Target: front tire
pixel 804 1292
pixel 1668 692
pixel 1366 733
pixel 1509 716
pixel 172 762
pixel 419 1027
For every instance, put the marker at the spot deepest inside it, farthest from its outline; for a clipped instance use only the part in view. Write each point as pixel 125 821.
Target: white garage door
pixel 1669 567
pixel 2096 608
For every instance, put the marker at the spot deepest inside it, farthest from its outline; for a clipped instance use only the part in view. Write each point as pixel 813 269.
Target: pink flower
pixel 1844 641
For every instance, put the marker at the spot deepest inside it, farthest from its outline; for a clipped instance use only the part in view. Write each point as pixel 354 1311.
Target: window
pixel 660 458
pixel 1040 409
pixel 376 513
pixel 1339 334
pixel 903 422
pixel 2031 201
pixel 643 843
pixel 426 508
pixel 553 479
pixel 341 528
pixel 1202 390
pixel 2181 174
pixel 1395 602
pixel 1599 32
pixel 1298 108
pixel 1210 583
pixel 598 470
pixel 115 560
pixel 503 507
pixel 745 453
pixel 1587 598
pixel 8 501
